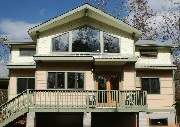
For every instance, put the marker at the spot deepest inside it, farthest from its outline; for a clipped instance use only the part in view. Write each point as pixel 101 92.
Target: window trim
pixel 66 80
pixel 152 78
pixel 26 49
pixel 26 84
pixel 148 50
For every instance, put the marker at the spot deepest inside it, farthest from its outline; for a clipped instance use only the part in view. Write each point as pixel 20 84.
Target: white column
pixel 142 119
pixel 31 119
pixel 87 120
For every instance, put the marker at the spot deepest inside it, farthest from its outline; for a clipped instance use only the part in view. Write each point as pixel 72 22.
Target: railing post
pixel 58 100
pixel 28 99
pixel 87 100
pixel 123 98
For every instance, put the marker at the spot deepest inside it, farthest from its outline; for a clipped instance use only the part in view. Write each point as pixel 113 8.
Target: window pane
pixel 155 86
pixel 111 44
pixel 145 84
pixel 148 53
pixel 101 82
pixel 61 43
pixel 86 39
pixel 159 122
pixel 71 80
pixel 80 80
pixel 27 51
pixel 60 79
pixel 31 83
pixel 51 80
pixel 21 84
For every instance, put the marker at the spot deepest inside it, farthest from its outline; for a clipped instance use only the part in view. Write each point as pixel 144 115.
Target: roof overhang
pixel 93 59
pixel 156 67
pixel 84 11
pixel 30 65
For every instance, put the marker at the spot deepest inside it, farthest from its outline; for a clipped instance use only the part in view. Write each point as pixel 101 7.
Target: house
pixel 86 68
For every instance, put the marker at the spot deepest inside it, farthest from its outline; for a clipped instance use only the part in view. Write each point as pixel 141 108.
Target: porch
pixel 73 101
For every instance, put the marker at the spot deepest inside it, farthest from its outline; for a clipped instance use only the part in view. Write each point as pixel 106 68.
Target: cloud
pixel 15 29
pixel 42 11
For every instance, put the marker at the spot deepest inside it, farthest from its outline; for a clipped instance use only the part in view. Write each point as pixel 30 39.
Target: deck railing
pixel 56 100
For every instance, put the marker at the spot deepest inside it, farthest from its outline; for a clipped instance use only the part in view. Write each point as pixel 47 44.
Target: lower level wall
pixel 145 118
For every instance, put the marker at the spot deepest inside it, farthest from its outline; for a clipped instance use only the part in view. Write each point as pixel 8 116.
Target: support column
pixel 142 119
pixel 31 120
pixel 87 120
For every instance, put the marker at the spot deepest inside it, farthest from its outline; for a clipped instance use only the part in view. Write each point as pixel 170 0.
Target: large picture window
pixel 60 43
pixel 151 85
pixel 65 80
pixel 86 39
pixel 25 83
pixel 111 44
pixel 27 51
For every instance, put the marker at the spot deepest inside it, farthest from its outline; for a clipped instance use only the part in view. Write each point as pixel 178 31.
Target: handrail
pixel 13 98
pixel 74 99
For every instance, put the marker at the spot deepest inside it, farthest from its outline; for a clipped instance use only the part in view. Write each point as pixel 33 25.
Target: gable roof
pixel 83 11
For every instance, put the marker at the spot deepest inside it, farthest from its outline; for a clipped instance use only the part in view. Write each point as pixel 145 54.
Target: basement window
pixel 158 122
pixel 149 53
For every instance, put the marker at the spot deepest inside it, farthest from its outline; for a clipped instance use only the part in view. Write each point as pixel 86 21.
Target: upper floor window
pixel 25 83
pixel 111 44
pixel 149 53
pixel 61 43
pixel 27 51
pixel 65 80
pixel 86 39
pixel 151 85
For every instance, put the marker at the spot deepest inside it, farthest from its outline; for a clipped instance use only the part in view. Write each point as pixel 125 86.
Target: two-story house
pixel 86 68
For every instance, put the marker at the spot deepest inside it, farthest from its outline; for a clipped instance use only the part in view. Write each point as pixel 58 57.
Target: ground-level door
pixel 110 83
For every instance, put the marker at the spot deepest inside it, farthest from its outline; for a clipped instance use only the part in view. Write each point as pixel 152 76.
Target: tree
pixel 4 50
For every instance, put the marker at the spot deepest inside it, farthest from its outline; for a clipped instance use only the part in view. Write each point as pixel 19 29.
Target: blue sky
pixel 17 16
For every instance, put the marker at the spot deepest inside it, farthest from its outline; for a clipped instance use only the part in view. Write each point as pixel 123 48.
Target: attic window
pixel 149 53
pixel 111 44
pixel 86 39
pixel 60 43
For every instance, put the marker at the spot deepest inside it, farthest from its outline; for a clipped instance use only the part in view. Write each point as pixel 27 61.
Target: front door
pixel 108 82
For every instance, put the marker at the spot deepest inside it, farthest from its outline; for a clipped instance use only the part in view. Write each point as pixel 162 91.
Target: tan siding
pixel 164 100
pixel 44 68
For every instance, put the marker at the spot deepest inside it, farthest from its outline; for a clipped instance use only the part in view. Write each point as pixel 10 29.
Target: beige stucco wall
pixel 165 99
pixel 13 80
pixel 45 39
pixel 129 77
pixel 15 55
pixel 164 57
